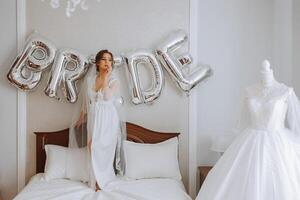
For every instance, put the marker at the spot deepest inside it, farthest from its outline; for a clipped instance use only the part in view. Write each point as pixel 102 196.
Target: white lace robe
pixel 103 128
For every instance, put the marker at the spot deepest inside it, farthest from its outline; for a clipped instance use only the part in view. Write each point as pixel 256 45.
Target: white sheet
pixel 145 189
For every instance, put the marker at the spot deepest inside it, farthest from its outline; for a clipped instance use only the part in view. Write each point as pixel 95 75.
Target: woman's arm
pixel 81 120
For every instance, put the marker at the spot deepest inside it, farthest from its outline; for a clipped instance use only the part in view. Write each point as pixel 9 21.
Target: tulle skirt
pixel 103 128
pixel 258 165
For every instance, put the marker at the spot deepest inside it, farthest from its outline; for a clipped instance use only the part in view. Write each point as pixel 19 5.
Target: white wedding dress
pixel 263 162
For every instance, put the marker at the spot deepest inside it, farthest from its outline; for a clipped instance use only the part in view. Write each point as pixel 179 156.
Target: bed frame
pixel 135 133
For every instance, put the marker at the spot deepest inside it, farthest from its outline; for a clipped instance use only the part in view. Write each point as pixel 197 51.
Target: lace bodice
pixel 103 95
pixel 267 107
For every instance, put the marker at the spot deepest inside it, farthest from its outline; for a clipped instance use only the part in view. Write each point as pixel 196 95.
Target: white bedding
pixel 145 189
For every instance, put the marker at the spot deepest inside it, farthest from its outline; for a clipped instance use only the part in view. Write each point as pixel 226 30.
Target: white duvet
pixel 145 189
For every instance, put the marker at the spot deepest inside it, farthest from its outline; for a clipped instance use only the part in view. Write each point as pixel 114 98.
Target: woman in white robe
pixel 102 121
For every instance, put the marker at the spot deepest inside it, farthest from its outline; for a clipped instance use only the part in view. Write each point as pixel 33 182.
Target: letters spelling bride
pixel 68 66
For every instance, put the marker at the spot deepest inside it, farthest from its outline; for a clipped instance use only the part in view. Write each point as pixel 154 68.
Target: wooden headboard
pixel 135 133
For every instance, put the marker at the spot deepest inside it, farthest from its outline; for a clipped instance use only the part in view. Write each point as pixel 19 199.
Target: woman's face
pixel 105 62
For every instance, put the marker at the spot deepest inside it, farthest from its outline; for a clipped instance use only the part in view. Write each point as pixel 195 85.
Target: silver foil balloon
pixel 119 100
pixel 118 61
pixel 92 59
pixel 37 55
pixel 146 57
pixel 69 66
pixel 185 59
pixel 174 65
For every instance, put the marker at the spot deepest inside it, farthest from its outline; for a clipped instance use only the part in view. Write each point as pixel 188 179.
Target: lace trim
pixel 257 91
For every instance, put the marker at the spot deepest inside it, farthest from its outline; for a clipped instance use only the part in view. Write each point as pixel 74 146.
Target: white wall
pixel 120 26
pixel 8 102
pixel 282 40
pixel 296 46
pixel 234 37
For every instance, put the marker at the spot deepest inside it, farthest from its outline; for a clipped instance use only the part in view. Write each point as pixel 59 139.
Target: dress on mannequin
pixel 263 162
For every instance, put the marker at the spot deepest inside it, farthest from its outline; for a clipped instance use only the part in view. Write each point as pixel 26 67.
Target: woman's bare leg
pixel 90 149
pixel 90 146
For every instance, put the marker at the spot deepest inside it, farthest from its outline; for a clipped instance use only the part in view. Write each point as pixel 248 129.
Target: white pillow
pixel 158 160
pixel 64 162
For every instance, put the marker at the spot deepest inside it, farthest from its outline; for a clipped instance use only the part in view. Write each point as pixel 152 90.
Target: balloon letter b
pixel 37 55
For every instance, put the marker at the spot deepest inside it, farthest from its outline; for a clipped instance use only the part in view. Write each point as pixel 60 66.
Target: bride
pixel 263 163
pixel 102 121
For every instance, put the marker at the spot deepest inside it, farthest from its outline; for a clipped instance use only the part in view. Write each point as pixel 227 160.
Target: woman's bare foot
pixel 97 187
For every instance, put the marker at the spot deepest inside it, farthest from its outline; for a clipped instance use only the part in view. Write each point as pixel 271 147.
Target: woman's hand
pixel 108 71
pixel 106 76
pixel 81 120
pixel 78 124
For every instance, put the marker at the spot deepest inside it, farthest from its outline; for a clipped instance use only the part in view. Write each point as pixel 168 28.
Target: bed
pixel 123 188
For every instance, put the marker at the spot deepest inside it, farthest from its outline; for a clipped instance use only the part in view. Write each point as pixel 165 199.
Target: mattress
pixel 121 189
